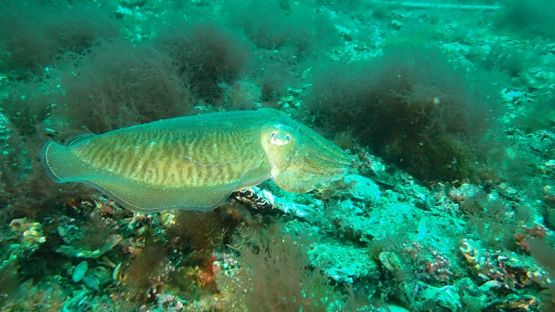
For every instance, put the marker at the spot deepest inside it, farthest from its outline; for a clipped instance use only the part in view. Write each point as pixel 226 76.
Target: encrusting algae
pixel 196 162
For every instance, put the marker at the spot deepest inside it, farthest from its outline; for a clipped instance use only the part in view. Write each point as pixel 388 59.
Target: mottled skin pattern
pixel 195 162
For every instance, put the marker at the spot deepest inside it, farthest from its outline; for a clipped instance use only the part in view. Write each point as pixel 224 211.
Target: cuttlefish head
pixel 301 159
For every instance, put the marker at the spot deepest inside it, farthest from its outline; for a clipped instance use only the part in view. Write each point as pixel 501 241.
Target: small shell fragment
pixel 116 274
pixel 80 271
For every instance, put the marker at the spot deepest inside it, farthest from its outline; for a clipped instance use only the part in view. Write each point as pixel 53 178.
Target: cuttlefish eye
pixel 280 138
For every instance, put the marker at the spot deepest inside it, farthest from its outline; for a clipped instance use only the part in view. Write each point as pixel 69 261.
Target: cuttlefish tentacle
pixel 196 162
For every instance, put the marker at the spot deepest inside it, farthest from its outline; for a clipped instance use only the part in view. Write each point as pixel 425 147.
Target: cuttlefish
pixel 196 162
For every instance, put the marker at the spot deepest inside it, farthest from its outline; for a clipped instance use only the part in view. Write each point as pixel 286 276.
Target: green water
pixel 445 111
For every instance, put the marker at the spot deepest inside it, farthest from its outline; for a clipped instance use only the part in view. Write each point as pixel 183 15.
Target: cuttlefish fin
pixel 140 197
pixel 60 163
pixel 65 167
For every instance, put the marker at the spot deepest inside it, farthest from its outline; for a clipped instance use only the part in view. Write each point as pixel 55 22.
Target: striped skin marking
pixel 162 158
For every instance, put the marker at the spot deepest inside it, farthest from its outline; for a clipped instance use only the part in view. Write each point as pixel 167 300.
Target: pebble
pixel 80 271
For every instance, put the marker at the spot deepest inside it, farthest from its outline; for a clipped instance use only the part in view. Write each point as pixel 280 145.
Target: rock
pixel 381 223
pixel 391 262
pixel 539 78
pixel 463 192
pixel 31 234
pixel 511 96
pixel 550 218
pixel 343 263
pixel 446 296
pixel 362 188
pixel 421 296
pixel 97 278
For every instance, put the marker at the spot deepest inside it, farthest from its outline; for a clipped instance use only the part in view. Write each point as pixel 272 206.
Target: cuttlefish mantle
pixel 196 162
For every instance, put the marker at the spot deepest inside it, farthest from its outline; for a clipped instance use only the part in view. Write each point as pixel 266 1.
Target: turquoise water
pixel 411 165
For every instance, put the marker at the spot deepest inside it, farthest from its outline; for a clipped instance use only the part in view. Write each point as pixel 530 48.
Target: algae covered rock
pixel 343 263
pixel 362 188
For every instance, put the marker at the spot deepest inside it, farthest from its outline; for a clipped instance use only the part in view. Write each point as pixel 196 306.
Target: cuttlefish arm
pixel 191 163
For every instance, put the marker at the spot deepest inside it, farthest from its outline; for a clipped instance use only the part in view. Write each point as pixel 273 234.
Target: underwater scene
pixel 277 155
